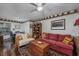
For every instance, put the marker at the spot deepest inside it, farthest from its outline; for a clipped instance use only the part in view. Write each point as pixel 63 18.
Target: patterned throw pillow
pixel 67 40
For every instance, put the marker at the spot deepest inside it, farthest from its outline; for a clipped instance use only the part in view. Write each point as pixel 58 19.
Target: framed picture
pixel 58 24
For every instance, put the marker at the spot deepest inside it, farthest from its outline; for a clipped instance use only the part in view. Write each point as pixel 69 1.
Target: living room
pixel 39 29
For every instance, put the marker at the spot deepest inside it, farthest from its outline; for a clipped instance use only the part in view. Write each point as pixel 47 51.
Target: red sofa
pixel 55 41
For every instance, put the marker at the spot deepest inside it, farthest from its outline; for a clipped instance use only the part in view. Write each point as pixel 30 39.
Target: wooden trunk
pixel 38 49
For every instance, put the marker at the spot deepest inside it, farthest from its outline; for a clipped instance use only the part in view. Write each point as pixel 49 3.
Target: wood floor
pixel 8 49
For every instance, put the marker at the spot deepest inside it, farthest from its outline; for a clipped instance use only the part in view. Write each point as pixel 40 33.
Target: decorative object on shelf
pixel 77 22
pixel 58 24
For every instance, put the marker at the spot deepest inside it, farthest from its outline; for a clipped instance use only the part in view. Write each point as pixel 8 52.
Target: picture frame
pixel 58 24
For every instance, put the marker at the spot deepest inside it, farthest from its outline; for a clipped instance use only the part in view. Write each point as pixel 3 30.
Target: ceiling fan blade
pixel 33 4
pixel 43 4
pixel 33 10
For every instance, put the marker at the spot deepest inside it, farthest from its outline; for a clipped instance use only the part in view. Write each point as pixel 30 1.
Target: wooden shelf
pixel 36 30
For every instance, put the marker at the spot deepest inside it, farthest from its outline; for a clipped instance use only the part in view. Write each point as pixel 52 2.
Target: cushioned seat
pixel 56 43
pixel 22 39
pixel 62 45
pixel 50 41
pixel 25 41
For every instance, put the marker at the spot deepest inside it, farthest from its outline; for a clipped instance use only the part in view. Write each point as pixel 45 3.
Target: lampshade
pixel 77 22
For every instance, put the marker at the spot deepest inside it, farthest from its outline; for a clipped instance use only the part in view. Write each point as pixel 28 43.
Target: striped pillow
pixel 67 40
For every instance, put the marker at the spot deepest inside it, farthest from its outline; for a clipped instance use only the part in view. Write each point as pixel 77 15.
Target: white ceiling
pixel 23 11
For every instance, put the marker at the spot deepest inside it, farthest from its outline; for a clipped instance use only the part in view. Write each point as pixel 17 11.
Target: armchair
pixel 22 39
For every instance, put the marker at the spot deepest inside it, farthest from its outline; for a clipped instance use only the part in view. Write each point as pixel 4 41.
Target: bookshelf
pixel 36 30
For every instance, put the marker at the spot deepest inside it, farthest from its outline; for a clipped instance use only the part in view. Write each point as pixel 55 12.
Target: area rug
pixel 24 52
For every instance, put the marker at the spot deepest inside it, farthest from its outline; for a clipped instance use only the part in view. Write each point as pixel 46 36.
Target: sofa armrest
pixel 71 43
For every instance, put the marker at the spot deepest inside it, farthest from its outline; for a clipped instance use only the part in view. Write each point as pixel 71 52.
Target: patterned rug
pixel 24 52
pixel 54 53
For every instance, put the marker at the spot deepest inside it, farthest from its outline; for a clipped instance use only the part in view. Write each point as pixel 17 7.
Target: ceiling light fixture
pixel 40 8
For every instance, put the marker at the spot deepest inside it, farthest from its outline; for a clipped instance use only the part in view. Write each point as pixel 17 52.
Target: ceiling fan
pixel 39 6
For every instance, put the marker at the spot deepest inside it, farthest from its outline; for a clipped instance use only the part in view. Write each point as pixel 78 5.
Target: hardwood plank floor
pixel 8 48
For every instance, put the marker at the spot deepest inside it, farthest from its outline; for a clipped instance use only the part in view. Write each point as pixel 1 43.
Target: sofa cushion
pixel 62 45
pixel 61 37
pixel 53 36
pixel 23 42
pixel 68 52
pixel 51 42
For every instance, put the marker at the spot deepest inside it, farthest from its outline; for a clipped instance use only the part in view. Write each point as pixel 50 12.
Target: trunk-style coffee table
pixel 38 48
